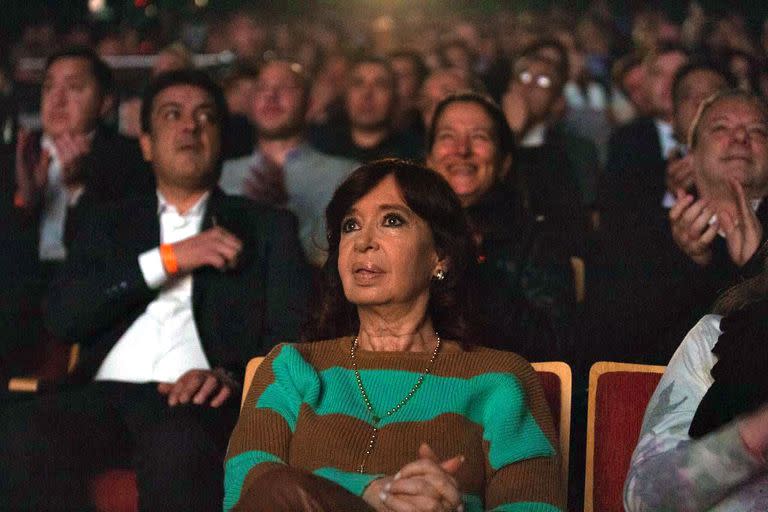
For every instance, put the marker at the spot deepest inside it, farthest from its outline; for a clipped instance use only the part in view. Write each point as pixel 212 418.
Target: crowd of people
pixel 415 191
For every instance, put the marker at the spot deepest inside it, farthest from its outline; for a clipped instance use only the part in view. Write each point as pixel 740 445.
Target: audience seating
pixel 115 490
pixel 579 278
pixel 557 382
pixel 250 369
pixel 618 396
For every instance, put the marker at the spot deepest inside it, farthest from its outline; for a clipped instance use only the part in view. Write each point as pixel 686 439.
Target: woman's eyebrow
pixel 398 207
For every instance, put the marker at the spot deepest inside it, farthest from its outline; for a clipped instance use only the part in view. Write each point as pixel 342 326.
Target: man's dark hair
pixel 451 304
pixel 622 67
pixel 505 139
pixel 442 51
pixel 699 64
pixel 664 49
pixel 415 57
pixel 561 63
pixel 191 77
pixel 100 70
pixel 359 60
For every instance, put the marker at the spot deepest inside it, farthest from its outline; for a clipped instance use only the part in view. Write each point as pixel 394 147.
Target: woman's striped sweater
pixel 305 409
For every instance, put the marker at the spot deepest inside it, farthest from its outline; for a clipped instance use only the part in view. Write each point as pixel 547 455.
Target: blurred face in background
pixel 438 86
pixel 407 77
pixel 541 86
pixel 660 72
pixel 279 104
pixel 465 150
pixel 72 100
pixel 370 96
pixel 633 84
pixel 694 88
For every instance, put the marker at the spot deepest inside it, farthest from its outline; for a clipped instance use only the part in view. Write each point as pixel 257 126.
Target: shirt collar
pixel 535 136
pixel 47 143
pixel 667 139
pixel 197 209
pixel 295 152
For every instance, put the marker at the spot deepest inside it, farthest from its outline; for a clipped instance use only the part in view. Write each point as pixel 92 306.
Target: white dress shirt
pixel 667 139
pixel 55 202
pixel 163 343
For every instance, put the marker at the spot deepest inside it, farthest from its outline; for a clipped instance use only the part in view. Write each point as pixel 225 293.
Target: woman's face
pixel 465 150
pixel 386 252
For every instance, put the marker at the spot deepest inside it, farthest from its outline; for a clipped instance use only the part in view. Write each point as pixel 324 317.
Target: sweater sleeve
pixel 262 436
pixel 670 471
pixel 522 465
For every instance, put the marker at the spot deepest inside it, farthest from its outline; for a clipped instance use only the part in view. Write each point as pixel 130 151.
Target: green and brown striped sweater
pixel 304 409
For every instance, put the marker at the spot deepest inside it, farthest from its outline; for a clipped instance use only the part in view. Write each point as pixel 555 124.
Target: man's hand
pixel 691 229
pixel 71 150
pixel 679 172
pixel 423 485
pixel 31 170
pixel 743 233
pixel 515 108
pixel 216 247
pixel 199 387
pixel 266 184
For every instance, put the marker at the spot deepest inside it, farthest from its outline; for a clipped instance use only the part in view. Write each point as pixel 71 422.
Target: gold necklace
pixel 376 419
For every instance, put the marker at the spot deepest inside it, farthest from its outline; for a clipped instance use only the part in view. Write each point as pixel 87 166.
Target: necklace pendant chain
pixel 375 418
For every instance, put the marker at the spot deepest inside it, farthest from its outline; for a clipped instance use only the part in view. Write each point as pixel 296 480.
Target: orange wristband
pixel 19 201
pixel 169 259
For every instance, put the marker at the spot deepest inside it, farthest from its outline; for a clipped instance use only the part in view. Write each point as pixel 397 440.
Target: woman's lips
pixel 366 273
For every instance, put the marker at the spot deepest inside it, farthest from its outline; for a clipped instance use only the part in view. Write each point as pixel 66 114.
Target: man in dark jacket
pixel 169 297
pixel 56 175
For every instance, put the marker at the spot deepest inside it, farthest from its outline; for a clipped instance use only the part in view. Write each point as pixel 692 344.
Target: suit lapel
pixel 204 278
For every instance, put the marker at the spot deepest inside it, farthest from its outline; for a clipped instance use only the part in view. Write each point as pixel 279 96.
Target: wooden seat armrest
pixel 24 384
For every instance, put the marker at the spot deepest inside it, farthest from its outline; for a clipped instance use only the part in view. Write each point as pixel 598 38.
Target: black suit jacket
pixel 239 313
pixel 645 293
pixel 113 170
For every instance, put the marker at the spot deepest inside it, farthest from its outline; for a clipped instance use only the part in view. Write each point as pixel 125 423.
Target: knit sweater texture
pixel 305 409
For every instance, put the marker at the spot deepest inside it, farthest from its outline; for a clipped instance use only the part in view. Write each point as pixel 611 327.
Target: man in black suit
pixel 56 175
pixel 169 297
pixel 558 168
pixel 649 292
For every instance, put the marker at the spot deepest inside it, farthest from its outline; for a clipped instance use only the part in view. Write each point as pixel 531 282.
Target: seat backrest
pixel 618 396
pixel 556 380
pixel 579 278
pixel 250 370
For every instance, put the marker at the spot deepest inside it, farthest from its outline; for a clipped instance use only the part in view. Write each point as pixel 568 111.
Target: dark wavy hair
pixel 451 305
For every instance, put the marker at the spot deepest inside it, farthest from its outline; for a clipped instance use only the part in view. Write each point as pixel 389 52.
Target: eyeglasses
pixel 540 81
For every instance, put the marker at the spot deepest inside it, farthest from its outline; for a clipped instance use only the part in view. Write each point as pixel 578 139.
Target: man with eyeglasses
pixel 558 167
pixel 284 170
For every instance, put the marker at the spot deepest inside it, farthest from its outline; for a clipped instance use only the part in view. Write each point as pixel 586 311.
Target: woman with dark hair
pixel 397 410
pixel 704 440
pixel 525 277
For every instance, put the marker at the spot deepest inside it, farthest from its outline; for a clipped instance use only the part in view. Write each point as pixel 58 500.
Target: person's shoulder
pixel 328 161
pixel 490 360
pixel 634 128
pixel 251 208
pixel 319 355
pixel 242 162
pixel 703 335
pixel 112 141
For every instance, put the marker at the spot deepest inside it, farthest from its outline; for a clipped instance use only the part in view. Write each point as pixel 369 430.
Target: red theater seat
pixel 556 380
pixel 618 396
